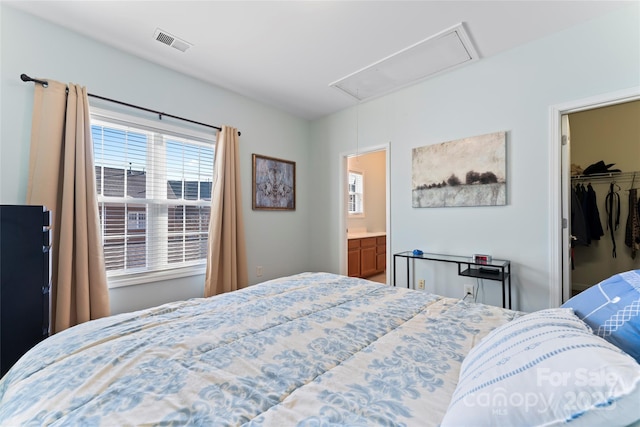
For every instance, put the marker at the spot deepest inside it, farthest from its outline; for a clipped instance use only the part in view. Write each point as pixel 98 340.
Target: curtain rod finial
pixel 26 78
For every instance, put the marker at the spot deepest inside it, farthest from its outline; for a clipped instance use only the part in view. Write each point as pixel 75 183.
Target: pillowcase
pixel 545 368
pixel 612 309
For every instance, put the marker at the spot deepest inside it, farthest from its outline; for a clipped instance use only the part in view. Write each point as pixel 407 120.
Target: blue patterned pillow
pixel 612 309
pixel 545 368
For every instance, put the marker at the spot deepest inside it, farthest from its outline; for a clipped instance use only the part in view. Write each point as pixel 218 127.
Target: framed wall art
pixel 465 172
pixel 273 183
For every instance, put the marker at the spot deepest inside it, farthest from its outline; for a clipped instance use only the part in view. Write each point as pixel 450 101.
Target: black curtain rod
pixel 45 83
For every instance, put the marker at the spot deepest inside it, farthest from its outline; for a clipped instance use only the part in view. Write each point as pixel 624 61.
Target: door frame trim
pixel 556 167
pixel 342 202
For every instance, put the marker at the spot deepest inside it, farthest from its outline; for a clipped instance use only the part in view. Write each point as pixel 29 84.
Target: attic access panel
pixel 446 50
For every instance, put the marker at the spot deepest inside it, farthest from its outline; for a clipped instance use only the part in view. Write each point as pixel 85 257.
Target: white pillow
pixel 546 368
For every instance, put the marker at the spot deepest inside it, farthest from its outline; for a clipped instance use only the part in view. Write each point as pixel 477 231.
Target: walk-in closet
pixel 605 186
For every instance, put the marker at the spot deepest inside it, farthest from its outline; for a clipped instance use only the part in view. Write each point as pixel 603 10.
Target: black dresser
pixel 25 265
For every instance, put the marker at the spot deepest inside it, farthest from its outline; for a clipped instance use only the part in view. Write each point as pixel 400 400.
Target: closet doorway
pixel 605 177
pixel 561 147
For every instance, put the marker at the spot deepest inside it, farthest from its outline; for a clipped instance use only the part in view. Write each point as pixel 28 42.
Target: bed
pixel 313 349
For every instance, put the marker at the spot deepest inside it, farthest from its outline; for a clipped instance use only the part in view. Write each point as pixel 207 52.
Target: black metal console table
pixel 498 269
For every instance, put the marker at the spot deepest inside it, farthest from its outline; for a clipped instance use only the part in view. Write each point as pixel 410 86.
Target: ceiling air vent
pixel 171 40
pixel 441 52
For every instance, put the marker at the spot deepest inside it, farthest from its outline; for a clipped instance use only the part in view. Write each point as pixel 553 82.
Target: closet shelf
pixel 616 176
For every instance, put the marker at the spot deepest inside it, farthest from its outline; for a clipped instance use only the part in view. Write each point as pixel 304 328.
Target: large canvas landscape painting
pixel 465 172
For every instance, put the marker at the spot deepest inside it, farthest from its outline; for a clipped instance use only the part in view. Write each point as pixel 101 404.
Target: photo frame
pixel 273 183
pixel 465 172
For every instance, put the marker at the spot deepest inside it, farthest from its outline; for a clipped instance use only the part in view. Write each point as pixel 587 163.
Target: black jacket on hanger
pixel 592 214
pixel 578 223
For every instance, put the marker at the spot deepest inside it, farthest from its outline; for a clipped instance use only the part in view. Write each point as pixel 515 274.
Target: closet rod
pixel 615 176
pixel 45 83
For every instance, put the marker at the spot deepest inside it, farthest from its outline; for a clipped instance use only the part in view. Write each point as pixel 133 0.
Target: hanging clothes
pixel 580 192
pixel 578 222
pixel 632 235
pixel 592 215
pixel 612 204
pixel 579 234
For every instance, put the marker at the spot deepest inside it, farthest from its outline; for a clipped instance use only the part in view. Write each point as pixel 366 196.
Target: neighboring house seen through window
pixel 136 221
pixel 154 196
pixel 356 203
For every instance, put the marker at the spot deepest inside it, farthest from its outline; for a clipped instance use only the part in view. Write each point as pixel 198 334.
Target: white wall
pixel 278 241
pixel 372 166
pixel 513 92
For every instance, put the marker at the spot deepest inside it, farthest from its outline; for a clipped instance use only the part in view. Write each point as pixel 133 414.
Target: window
pixel 154 196
pixel 136 221
pixel 356 203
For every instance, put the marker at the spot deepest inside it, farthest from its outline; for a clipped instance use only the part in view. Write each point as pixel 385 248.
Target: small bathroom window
pixel 356 185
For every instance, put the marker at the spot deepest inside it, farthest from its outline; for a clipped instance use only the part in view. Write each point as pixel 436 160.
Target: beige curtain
pixel 226 259
pixel 62 177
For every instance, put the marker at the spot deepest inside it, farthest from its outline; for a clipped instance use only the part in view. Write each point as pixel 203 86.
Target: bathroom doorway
pixel 364 213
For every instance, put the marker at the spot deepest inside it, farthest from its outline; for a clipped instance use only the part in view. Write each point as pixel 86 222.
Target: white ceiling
pixel 285 53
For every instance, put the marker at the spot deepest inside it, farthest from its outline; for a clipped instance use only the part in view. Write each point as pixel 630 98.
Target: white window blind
pixel 154 196
pixel 356 185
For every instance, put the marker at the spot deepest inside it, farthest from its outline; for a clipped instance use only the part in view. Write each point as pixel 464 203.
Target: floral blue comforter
pixel 315 349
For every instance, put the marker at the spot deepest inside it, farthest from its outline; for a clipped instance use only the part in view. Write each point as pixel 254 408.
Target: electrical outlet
pixel 259 271
pixel 468 291
pixel 421 284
